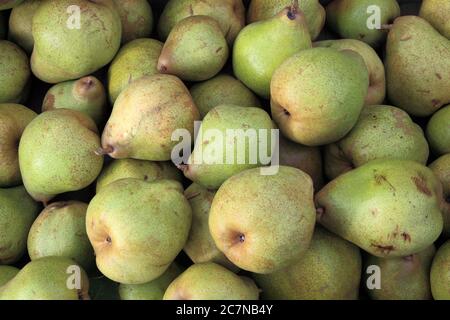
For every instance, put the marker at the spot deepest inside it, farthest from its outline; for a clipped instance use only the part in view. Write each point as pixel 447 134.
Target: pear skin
pixel 20 22
pixel 136 17
pixel 436 12
pixel 441 168
pixel 438 131
pixel 440 273
pixel 8 4
pixel 7 273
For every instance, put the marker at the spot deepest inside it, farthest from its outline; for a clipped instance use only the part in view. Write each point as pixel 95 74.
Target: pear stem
pixel 386 27
pixel 104 151
pixel 293 10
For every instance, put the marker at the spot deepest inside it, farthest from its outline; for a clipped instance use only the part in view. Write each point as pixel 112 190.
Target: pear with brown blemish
pixel 390 208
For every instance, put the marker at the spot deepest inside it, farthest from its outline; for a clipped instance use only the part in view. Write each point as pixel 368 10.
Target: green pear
pixel 17 213
pixel 263 223
pixel 416 57
pixel 135 231
pixel 135 59
pixel 13 120
pixel 49 278
pixel 263 46
pixel 86 95
pixel 402 278
pixel 438 131
pixel 8 4
pixel 441 168
pixel 70 43
pixel 357 19
pixel 196 49
pixel 440 273
pixel 329 270
pixel 142 128
pixel 375 67
pixel 138 169
pixel 222 89
pixel 436 12
pixel 20 22
pixel 60 230
pixel 200 246
pixel 7 273
pixel 230 14
pixel 14 72
pixel 102 288
pixel 382 132
pixel 136 17
pixel 389 208
pixel 317 95
pixel 153 290
pixel 3 25
pixel 265 9
pixel 210 281
pixel 231 139
pixel 57 153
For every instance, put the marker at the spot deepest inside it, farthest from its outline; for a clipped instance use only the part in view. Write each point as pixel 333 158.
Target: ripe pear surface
pixel 437 12
pixel 317 95
pixel 263 46
pixel 48 278
pixel 416 57
pixel 17 213
pixel 438 131
pixel 136 17
pixel 20 22
pixel 195 50
pixel 263 223
pixel 136 233
pixel 67 48
pixel 144 117
pixel 7 273
pixel 440 273
pixel 210 281
pixel 389 208
pixel 57 153
pixel 441 168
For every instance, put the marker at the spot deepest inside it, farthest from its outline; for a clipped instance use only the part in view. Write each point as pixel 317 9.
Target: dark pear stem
pixel 293 10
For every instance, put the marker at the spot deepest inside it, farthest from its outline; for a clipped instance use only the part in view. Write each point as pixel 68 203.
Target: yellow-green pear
pixel 438 131
pixel 20 23
pixel 7 273
pixel 441 168
pixel 210 281
pixel 136 17
pixel 440 273
pixel 436 12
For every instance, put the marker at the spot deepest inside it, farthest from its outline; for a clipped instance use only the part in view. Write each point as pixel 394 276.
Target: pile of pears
pixel 112 185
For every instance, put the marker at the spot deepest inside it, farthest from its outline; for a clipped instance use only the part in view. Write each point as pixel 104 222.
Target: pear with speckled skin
pixel 7 273
pixel 196 49
pixel 402 278
pixel 441 168
pixel 57 153
pixel 210 281
pixel 137 228
pixel 436 12
pixel 263 223
pixel 440 273
pixel 389 208
pixel 416 55
pixel 20 23
pixel 136 17
pixel 438 131
pixel 382 132
pixel 329 270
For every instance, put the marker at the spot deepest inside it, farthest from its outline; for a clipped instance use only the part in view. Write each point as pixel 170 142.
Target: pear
pixel 438 131
pixel 86 95
pixel 102 288
pixel 210 281
pixel 416 55
pixel 263 46
pixel 71 45
pixel 357 19
pixel 7 273
pixel 8 4
pixel 436 13
pixel 222 89
pixel 14 72
pixel 57 153
pixel 230 14
pixel 440 273
pixel 441 168
pixel 141 128
pixel 136 17
pixel 135 231
pixel 135 59
pixel 317 95
pixel 153 290
pixel 200 246
pixel 49 278
pixel 265 9
pixel 382 132
pixel 329 270
pixel 17 213
pixel 389 208
pixel 138 169
pixel 20 22
pixel 375 67
pixel 403 278
pixel 60 230
pixel 231 139
pixel 13 120
pixel 263 223
pixel 195 50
